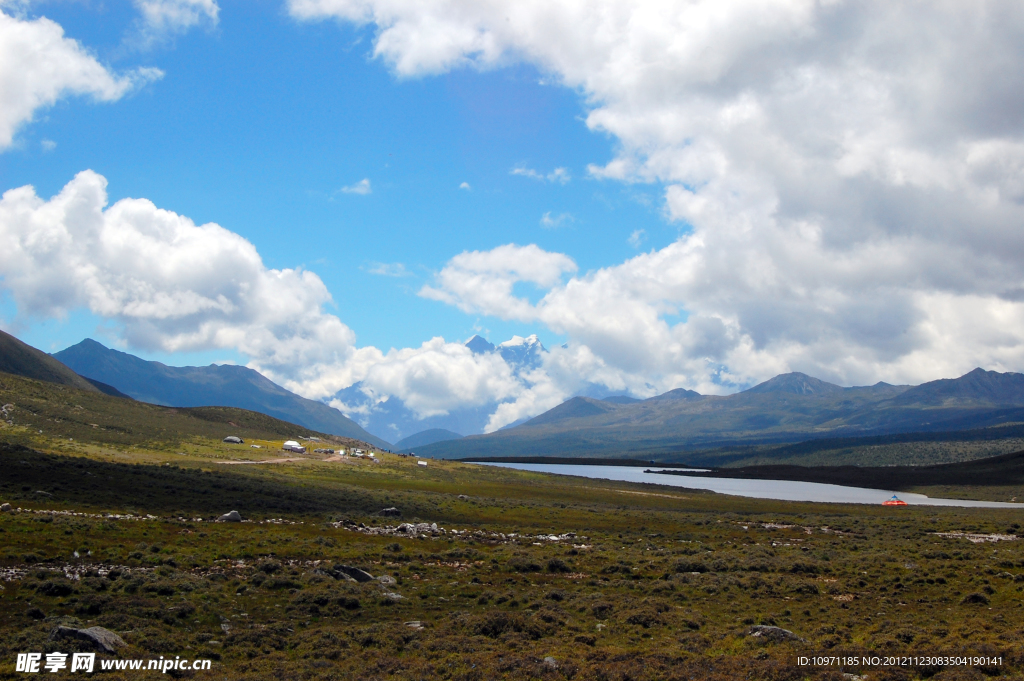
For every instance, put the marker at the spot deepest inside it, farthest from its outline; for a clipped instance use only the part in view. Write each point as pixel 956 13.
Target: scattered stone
pixel 463 497
pixel 354 573
pixel 415 624
pixel 976 538
pixel 387 580
pixel 550 662
pixel 775 634
pixel 233 517
pixel 4 508
pixel 391 596
pixel 45 494
pixel 103 639
pixel 391 512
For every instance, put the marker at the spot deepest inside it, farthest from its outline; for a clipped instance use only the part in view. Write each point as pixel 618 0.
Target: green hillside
pixel 20 359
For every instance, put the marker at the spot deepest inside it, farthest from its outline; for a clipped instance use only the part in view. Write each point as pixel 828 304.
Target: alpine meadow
pixel 627 340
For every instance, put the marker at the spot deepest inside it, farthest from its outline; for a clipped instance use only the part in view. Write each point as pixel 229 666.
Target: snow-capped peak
pixel 519 340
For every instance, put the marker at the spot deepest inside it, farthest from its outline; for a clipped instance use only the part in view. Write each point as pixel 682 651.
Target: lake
pixel 783 490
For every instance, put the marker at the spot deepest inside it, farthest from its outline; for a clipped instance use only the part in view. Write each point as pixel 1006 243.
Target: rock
pixel 387 580
pixel 415 624
pixel 393 596
pixel 233 517
pixel 775 634
pixel 4 508
pixel 550 662
pixel 391 512
pixel 45 494
pixel 355 573
pixel 463 497
pixel 103 639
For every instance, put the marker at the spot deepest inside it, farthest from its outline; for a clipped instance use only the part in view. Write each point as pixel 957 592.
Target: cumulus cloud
pixel 559 175
pixel 465 186
pixel 637 237
pixel 362 187
pixel 172 285
pixel 849 176
pixel 482 281
pixel 39 66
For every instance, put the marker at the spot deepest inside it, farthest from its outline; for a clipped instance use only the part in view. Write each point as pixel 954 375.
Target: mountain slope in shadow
pixel 214 385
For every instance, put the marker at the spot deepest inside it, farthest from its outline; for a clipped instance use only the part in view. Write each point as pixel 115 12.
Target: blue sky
pixel 338 193
pixel 260 121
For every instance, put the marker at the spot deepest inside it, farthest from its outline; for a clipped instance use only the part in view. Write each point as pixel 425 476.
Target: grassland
pixel 552 578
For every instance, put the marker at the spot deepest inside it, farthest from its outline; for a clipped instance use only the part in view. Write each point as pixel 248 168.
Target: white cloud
pixel 39 66
pixel 465 185
pixel 637 237
pixel 161 19
pixel 48 145
pixel 550 221
pixel 482 281
pixel 850 175
pixel 361 187
pixel 440 376
pixel 171 285
pixel 559 175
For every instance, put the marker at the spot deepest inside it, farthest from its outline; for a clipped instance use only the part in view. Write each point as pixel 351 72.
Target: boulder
pixel 463 497
pixel 776 634
pixel 355 573
pixel 103 639
pixel 232 517
pixel 550 662
pixel 4 508
pixel 391 512
pixel 387 580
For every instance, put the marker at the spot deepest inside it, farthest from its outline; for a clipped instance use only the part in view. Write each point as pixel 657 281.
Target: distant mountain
pixel 978 386
pixel 788 408
pixel 426 437
pixel 620 399
pixel 391 419
pixel 575 408
pixel 21 359
pixel 795 383
pixel 214 385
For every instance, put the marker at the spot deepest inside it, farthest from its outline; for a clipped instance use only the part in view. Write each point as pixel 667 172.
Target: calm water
pixel 784 490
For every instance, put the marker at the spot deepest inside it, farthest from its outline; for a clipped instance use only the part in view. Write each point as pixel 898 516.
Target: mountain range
pixel 215 385
pixel 791 407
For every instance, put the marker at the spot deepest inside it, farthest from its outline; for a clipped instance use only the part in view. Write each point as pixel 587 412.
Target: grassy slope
pixel 664 585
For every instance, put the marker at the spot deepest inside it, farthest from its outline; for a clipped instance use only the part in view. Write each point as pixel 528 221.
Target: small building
pixel 421 463
pixel 234 440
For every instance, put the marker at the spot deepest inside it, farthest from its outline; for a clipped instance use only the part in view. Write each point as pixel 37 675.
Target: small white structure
pixel 293 446
pixel 234 440
pixel 421 463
